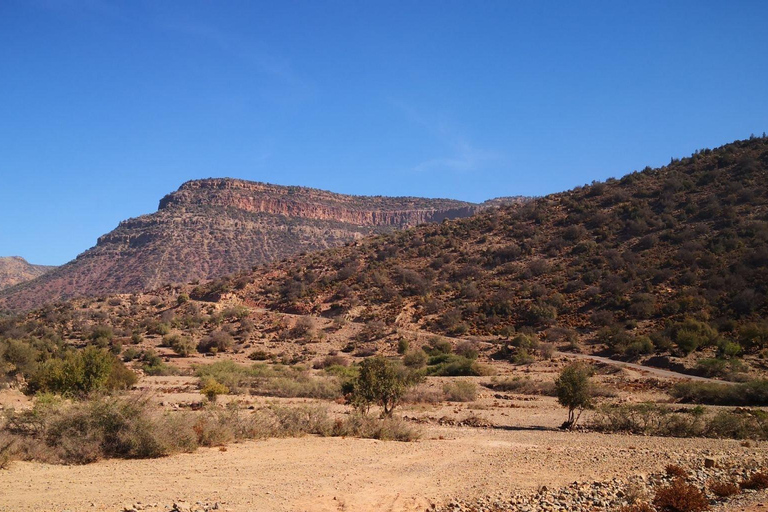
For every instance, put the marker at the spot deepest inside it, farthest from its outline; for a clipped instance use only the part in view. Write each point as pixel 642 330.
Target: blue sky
pixel 107 106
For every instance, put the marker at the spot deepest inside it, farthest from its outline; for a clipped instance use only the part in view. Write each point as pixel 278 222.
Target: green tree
pixel 574 391
pixel 381 382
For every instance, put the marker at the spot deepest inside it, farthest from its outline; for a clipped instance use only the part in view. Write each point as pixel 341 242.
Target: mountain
pixel 14 270
pixel 669 260
pixel 669 264
pixel 213 227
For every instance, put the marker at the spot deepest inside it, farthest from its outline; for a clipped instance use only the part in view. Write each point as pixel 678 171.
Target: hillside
pixel 669 264
pixel 213 227
pixel 14 270
pixel 664 261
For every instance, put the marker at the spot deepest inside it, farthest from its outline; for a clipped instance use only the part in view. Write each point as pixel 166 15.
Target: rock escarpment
pixel 213 227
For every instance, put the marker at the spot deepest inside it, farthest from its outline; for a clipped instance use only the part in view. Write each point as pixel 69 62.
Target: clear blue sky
pixel 107 106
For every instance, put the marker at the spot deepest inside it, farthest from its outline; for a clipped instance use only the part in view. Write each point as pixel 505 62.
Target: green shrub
pixel 211 389
pixel 182 345
pixel 153 364
pixel 450 365
pixel 81 372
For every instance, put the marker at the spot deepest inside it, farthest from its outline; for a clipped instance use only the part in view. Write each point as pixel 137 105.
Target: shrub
pixel 373 330
pixel 211 389
pixel 574 390
pixel 460 391
pixel 182 345
pixel 259 355
pixel 676 471
pixel 402 346
pixel 450 365
pixel 438 345
pixel 83 432
pixel 415 359
pixel 6 450
pixel 637 507
pixel 752 393
pixel 81 372
pixel 651 419
pixel 217 341
pixel 680 497
pixel 757 481
pixel 723 489
pixel 303 328
pixel 329 361
pixel 524 386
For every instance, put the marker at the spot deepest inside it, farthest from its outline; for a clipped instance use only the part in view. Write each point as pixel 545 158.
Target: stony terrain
pixel 15 270
pixel 210 228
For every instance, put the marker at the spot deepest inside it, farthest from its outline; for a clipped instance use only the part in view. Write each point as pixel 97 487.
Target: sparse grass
pixel 752 393
pixel 6 450
pixel 272 380
pixel 658 420
pixel 523 386
pixel 58 431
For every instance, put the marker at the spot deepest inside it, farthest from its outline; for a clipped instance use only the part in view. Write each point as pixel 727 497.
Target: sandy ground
pixel 329 474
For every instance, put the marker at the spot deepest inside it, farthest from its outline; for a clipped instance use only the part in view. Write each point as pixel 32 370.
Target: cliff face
pixel 14 270
pixel 307 203
pixel 213 227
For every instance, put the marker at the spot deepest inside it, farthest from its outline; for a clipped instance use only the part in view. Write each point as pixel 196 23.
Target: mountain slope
pixel 14 270
pixel 612 261
pixel 213 227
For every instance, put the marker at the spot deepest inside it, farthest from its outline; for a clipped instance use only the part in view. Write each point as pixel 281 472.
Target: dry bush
pixel 723 489
pixel 6 450
pixel 676 471
pixel 370 427
pixel 756 481
pixel 523 386
pixel 130 427
pixel 680 496
pixel 637 507
pixel 423 395
pixel 460 391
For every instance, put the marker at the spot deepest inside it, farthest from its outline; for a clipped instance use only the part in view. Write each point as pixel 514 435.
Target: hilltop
pixel 213 227
pixel 15 269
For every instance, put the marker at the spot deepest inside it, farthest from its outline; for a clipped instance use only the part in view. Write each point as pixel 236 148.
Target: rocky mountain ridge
pixel 213 227
pixel 15 269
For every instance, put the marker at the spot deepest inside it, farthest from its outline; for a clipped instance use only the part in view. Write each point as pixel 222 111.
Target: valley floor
pixel 331 474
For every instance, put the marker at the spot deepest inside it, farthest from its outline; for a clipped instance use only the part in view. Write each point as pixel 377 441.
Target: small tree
pixel 381 382
pixel 574 391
